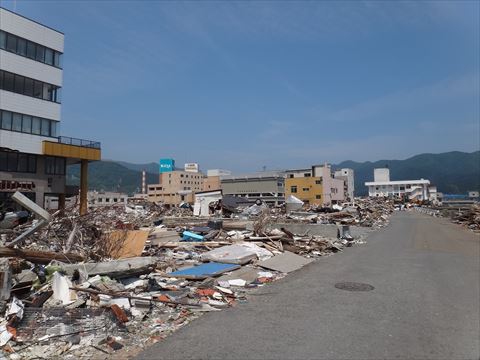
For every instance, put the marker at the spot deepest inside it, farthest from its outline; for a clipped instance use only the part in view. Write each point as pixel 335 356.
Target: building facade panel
pixel 30 68
pixel 27 143
pixel 26 28
pixel 28 105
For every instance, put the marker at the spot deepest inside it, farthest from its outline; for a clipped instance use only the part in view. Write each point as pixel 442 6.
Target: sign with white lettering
pixel 191 167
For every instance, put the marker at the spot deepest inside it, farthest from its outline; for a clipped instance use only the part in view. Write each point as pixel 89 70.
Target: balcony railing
pixel 79 142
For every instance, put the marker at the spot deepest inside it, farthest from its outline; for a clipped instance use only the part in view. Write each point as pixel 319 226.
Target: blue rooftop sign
pixel 167 165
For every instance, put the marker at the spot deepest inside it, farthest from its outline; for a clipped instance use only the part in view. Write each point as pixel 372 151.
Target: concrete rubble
pixel 71 290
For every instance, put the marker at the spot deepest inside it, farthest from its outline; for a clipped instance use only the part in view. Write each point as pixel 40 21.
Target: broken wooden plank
pixel 40 257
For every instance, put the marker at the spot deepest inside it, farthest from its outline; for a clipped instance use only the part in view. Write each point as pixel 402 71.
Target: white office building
pixel 33 157
pixel 382 186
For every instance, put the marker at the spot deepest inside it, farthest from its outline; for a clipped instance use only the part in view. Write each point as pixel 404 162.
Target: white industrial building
pixel 33 157
pixel 382 186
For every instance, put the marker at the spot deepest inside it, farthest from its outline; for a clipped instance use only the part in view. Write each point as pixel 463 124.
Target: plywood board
pixel 126 244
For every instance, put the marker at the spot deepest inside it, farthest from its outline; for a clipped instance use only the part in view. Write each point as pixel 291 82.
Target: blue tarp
pixel 205 270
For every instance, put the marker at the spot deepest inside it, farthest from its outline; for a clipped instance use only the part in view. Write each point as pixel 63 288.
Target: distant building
pixel 347 175
pixel 419 190
pixel 315 185
pixel 268 186
pixel 106 198
pixel 212 180
pixel 176 186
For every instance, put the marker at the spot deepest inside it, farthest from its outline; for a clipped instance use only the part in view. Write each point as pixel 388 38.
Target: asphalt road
pixel 425 304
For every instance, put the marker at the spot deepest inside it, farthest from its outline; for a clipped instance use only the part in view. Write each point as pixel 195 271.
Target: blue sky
pixel 242 85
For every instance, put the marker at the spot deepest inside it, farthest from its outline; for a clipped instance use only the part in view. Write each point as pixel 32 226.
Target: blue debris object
pixel 190 236
pixel 205 270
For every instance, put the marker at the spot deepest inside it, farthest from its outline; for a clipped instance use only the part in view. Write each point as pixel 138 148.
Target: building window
pixel 27 124
pixel 293 189
pixel 6 120
pixel 23 85
pixel 17 122
pixel 115 199
pixel 318 182
pixel 291 176
pixel 11 43
pixel 318 196
pixel 307 175
pixel 54 165
pixel 305 189
pixel 23 47
pixel 17 162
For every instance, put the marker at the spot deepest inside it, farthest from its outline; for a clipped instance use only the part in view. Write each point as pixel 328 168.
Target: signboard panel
pixel 191 167
pixel 167 165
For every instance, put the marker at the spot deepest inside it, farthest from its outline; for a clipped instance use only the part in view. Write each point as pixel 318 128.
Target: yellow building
pixel 308 189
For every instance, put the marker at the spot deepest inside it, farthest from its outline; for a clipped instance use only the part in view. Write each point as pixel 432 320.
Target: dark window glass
pixel 28 87
pixel 30 50
pixel 45 127
pixel 49 56
pixel 1 79
pixel 8 81
pixel 60 166
pixel 22 163
pixel 3 40
pixel 17 122
pixel 32 163
pixel 56 60
pixel 12 161
pixel 36 126
pixel 19 84
pixel 27 124
pixel 37 89
pixel 6 120
pixel 11 43
pixel 40 53
pixel 22 47
pixel 49 165
pixel 53 128
pixel 3 161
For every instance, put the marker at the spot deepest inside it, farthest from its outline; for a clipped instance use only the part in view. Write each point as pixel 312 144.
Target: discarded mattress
pixel 204 270
pixel 231 254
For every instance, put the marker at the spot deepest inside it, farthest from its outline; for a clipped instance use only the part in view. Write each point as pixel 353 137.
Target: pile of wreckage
pixel 117 280
pixel 368 212
pixel 469 217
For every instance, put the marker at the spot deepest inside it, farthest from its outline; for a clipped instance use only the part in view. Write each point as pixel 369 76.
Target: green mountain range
pixel 452 172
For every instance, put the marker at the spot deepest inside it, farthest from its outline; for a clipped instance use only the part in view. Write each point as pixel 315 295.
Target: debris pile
pixel 118 279
pixel 469 217
pixel 369 212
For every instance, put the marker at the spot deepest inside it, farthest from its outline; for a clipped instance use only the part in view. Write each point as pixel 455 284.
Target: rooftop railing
pixel 79 142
